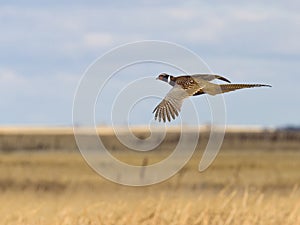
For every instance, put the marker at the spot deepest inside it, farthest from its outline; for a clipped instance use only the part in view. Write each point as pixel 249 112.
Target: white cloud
pixel 43 99
pixel 181 13
pixel 248 15
pixel 98 39
pixel 43 46
pixel 209 31
pixel 10 79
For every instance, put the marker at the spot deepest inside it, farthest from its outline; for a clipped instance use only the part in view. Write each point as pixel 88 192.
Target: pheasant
pixel 191 85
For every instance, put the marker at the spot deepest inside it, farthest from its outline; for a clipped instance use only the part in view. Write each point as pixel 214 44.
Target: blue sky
pixel 46 47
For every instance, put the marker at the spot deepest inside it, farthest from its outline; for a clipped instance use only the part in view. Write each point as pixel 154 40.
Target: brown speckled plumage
pixel 191 85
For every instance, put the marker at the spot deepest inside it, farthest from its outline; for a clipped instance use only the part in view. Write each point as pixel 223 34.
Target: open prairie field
pixel 248 187
pixel 255 179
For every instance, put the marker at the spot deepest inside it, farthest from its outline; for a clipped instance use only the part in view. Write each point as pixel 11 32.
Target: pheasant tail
pixel 233 87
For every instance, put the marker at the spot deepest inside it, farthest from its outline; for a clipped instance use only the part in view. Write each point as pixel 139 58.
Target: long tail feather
pixel 233 87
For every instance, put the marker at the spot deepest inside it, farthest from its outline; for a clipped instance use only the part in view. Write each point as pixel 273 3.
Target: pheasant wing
pixel 209 77
pixel 170 106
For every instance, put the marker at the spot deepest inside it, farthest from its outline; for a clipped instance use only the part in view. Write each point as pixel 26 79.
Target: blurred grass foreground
pixel 254 180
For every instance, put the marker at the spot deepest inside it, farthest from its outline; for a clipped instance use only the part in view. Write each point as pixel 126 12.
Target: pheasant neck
pixel 171 80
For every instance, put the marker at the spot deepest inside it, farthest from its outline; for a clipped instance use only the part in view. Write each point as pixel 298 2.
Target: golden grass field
pixel 251 186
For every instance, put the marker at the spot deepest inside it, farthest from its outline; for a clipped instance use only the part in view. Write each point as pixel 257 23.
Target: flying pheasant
pixel 191 85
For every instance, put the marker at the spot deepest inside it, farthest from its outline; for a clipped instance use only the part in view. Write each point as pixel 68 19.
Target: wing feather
pixel 209 77
pixel 170 106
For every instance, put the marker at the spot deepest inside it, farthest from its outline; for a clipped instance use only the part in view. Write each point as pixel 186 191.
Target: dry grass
pixel 249 187
pixel 224 207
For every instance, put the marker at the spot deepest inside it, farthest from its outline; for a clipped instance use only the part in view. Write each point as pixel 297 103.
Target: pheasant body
pixel 191 85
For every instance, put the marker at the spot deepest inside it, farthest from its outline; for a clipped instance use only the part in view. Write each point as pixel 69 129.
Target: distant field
pixel 241 187
pixel 62 138
pixel 254 180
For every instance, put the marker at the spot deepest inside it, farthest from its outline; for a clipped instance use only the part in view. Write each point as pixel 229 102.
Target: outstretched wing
pixel 209 77
pixel 170 106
